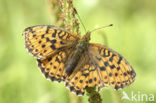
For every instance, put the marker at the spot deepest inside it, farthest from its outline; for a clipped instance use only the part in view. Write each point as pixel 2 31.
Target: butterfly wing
pixel 53 67
pixel 44 40
pixel 113 69
pixel 85 74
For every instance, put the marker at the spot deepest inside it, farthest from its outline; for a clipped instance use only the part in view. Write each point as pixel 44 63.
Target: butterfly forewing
pixel 114 69
pixel 44 40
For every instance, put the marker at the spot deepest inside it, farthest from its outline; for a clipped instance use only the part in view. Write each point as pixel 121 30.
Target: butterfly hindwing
pixel 53 66
pixel 84 75
pixel 44 40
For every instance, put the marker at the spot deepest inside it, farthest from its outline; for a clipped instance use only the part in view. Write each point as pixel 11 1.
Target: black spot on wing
pixel 106 63
pixel 47 39
pixel 53 47
pixel 111 58
pixel 102 68
pixel 119 61
pixel 112 66
pixel 59 34
pixel 61 42
pixel 48 27
pixel 90 80
pixel 57 59
pixel 86 74
pixel 54 34
pixel 53 41
pixel 43 45
pixel 118 68
pixel 50 58
pixel 42 36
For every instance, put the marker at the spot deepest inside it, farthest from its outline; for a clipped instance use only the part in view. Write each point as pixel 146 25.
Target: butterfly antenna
pixel 101 27
pixel 80 19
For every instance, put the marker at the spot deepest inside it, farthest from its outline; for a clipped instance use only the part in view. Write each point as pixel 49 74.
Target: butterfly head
pixel 83 43
pixel 86 37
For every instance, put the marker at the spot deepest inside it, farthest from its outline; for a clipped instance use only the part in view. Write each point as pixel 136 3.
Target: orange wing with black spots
pixel 53 66
pixel 44 40
pixel 85 75
pixel 113 69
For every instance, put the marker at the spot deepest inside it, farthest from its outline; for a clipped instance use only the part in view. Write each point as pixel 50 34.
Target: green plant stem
pixel 94 96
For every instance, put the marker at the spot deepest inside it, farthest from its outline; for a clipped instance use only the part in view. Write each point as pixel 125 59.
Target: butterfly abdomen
pixel 73 61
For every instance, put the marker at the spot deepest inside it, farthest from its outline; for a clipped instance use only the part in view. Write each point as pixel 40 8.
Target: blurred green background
pixel 133 35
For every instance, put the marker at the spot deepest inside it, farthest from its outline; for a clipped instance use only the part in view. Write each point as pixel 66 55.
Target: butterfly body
pixel 81 47
pixel 63 56
pixel 72 63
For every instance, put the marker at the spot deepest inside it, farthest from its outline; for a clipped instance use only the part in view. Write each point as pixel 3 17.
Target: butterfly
pixel 63 56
